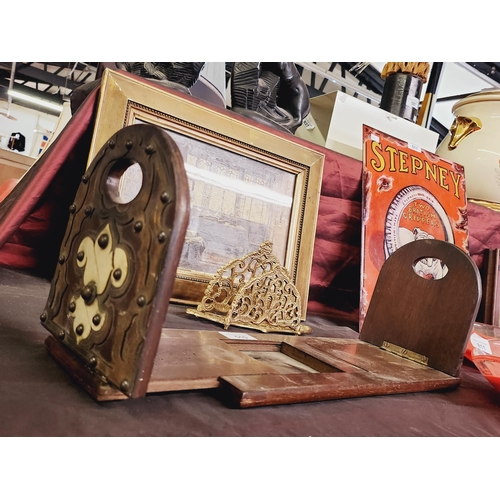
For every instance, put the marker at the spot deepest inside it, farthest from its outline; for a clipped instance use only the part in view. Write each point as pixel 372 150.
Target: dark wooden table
pixel 37 398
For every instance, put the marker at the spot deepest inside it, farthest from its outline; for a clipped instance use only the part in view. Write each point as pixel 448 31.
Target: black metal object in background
pixel 401 95
pixel 425 114
pixel 370 77
pixel 489 69
pixel 55 81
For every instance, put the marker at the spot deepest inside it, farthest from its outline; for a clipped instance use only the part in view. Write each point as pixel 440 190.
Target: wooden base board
pixel 268 370
pixel 83 376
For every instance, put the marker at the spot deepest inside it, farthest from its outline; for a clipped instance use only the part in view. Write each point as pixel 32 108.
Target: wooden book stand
pixel 110 293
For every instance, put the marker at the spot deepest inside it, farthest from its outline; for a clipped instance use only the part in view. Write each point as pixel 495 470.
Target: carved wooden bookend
pixel 117 263
pixel 426 320
pixel 255 292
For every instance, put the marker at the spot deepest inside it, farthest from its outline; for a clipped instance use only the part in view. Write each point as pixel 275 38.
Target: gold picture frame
pixel 247 167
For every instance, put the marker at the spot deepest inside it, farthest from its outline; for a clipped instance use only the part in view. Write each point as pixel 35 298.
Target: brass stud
pixel 138 227
pixel 141 301
pixel 88 210
pixel 96 319
pixel 93 362
pixel 150 149
pixel 72 209
pixel 125 386
pixel 162 237
pixel 60 335
pixel 80 256
pixel 72 307
pixel 103 240
pixel 129 145
pixel 43 317
pixel 62 259
pixel 89 293
pixel 117 274
pixel 85 178
pixel 164 197
pixel 112 143
pixel 79 330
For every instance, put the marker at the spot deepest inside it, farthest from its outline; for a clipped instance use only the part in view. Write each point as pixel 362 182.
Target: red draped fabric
pixel 335 276
pixel 33 217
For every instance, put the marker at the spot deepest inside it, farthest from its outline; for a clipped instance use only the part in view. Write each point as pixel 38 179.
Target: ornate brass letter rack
pixel 253 292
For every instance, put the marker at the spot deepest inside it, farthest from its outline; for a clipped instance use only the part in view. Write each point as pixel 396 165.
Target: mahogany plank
pixel 266 389
pixel 196 362
pixel 361 356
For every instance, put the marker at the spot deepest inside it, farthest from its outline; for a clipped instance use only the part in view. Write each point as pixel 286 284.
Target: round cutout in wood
pixel 124 181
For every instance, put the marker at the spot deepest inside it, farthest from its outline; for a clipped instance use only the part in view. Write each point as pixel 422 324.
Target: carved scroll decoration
pixel 255 292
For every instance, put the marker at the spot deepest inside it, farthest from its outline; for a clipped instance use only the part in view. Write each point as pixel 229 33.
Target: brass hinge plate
pixel 405 353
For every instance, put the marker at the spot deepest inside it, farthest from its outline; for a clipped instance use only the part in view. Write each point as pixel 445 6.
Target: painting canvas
pixel 236 204
pixel 408 194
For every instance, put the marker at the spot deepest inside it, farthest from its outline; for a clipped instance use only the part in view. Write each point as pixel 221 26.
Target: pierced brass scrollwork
pixel 255 292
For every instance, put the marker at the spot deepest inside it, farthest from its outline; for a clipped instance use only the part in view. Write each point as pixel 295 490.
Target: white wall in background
pixel 32 124
pixel 455 80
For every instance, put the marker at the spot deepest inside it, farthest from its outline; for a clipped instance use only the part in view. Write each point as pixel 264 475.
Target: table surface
pixel 37 398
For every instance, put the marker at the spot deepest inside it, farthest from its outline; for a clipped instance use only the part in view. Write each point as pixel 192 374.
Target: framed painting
pixel 247 184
